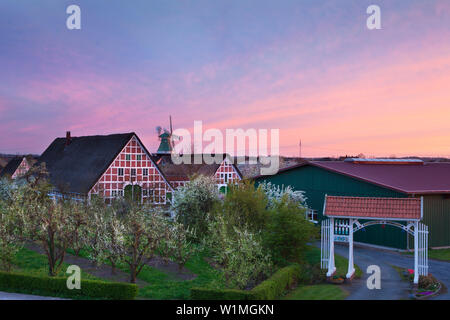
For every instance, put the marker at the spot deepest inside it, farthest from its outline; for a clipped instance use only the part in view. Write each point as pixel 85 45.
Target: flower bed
pixel 428 285
pixel 336 280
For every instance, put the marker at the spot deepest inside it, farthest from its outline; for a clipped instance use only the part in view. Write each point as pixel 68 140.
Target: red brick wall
pixel 21 169
pixel 112 184
pixel 226 173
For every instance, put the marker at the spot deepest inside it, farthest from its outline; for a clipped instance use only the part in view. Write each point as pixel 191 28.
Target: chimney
pixel 68 138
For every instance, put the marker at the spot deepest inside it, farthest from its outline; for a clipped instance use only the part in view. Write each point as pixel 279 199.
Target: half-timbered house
pixel 17 167
pixel 224 172
pixel 113 166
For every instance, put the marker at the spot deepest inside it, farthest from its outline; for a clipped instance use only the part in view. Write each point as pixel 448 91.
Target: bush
pixel 287 232
pixel 427 282
pixel 217 294
pixel 193 202
pixel 274 287
pixel 239 252
pixel 270 289
pixel 56 286
pixel 275 194
pixel 245 207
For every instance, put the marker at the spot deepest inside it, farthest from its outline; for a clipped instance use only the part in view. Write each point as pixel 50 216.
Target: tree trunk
pixel 113 267
pixel 133 274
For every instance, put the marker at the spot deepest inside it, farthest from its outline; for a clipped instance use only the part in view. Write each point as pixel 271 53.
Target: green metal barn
pixel 377 178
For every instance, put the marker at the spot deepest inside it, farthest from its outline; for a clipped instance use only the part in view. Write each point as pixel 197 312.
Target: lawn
pixel 317 292
pixel 438 254
pixel 30 262
pixel 166 286
pixel 322 291
pixel 312 256
pixel 162 285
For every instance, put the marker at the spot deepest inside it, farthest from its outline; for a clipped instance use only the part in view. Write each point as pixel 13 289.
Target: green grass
pixel 165 286
pixel 322 291
pixel 438 254
pixel 312 256
pixel 161 285
pixel 317 292
pixel 32 263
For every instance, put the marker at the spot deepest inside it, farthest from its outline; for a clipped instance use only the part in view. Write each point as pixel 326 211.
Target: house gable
pixel 22 169
pixel 133 166
pixel 227 173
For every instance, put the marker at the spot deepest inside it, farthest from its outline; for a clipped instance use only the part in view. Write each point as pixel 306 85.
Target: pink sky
pixel 324 79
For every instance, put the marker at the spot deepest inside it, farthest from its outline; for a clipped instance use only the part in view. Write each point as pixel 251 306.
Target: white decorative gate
pixel 342 225
pixel 422 251
pixel 325 244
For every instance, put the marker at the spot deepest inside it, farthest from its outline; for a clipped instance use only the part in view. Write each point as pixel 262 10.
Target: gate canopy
pixel 398 209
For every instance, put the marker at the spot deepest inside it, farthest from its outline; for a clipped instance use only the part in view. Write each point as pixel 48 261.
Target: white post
pixel 351 267
pixel 416 252
pixel 331 267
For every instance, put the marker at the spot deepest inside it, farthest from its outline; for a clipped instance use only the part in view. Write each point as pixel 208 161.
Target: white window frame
pixel 311 215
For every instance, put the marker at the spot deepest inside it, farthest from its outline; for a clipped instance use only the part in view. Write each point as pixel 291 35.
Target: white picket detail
pixel 423 249
pixel 325 244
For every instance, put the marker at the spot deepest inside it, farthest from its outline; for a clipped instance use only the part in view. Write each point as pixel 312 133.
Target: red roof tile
pixel 388 208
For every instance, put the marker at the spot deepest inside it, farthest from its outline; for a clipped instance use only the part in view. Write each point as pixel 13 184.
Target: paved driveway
pixel 392 286
pixel 18 296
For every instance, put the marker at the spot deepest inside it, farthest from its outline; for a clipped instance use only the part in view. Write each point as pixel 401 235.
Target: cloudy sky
pixel 310 68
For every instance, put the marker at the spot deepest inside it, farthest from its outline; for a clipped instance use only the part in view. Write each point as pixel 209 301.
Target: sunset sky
pixel 310 68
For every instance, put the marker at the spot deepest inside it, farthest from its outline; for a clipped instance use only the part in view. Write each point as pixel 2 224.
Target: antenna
pixel 300 148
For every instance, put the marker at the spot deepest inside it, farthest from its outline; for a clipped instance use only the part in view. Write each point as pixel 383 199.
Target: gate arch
pixel 344 213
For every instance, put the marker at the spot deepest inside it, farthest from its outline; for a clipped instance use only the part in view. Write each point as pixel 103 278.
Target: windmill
pixel 166 138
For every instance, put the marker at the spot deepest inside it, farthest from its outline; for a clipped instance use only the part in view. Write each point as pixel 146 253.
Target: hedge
pixel 217 294
pixel 274 287
pixel 269 289
pixel 56 286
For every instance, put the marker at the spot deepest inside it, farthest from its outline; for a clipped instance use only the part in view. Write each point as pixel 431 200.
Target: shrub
pixel 287 232
pixel 245 207
pixel 270 289
pixel 217 294
pixel 56 286
pixel 275 194
pixel 426 282
pixel 239 252
pixel 274 287
pixel 193 202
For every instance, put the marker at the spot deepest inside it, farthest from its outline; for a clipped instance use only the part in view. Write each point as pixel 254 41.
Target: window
pixel 145 172
pixel 133 172
pixel 311 215
pixel 120 172
pixel 128 157
pixel 120 193
pixel 144 192
pixel 139 157
pixel 114 193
